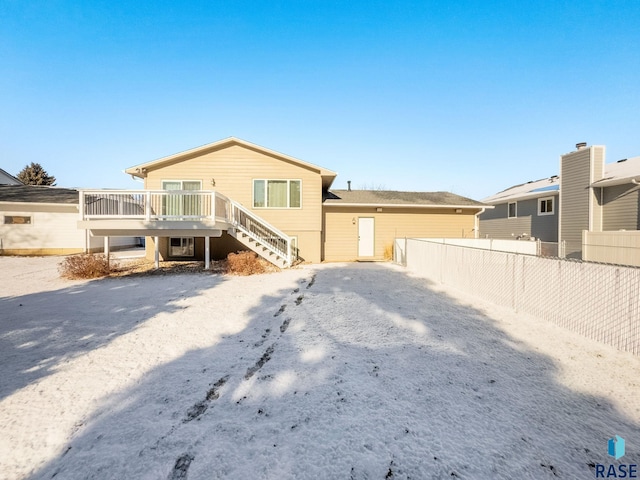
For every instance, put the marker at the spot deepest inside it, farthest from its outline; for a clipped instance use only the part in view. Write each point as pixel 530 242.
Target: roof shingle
pixel 392 197
pixel 38 194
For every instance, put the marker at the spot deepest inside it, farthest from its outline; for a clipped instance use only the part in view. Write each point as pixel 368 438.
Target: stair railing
pixel 262 232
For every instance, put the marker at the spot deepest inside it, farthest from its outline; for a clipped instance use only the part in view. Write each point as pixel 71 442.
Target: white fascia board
pixel 37 204
pixel 411 205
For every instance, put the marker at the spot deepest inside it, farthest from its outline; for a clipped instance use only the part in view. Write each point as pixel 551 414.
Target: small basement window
pixel 545 206
pixel 512 210
pixel 17 220
pixel 181 246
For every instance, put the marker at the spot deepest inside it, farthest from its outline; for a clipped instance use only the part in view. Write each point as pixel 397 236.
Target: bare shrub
pixel 86 265
pixel 247 263
pixel 388 252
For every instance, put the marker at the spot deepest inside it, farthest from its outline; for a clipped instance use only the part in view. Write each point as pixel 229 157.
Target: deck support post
pixel 207 253
pixel 156 256
pixel 106 249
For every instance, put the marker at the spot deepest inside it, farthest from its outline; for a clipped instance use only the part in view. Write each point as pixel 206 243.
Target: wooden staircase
pixel 260 236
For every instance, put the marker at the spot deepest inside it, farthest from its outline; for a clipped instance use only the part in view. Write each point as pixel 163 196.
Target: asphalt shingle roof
pixel 392 197
pixel 38 194
pixel 538 188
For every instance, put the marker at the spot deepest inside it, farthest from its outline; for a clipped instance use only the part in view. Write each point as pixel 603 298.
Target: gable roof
pixel 38 194
pixel 620 172
pixel 392 198
pixel 539 188
pixel 617 173
pixel 140 170
pixel 8 179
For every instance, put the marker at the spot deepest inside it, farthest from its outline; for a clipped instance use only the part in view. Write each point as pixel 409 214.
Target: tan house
pixel 361 224
pixel 231 195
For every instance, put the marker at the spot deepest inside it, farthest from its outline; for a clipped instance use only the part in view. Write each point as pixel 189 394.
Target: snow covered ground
pixel 330 371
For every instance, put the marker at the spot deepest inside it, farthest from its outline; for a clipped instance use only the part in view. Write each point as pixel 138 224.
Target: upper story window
pixel 545 206
pixel 512 210
pixel 181 185
pixel 277 193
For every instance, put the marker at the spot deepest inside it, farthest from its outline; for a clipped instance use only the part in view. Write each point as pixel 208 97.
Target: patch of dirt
pixel 142 267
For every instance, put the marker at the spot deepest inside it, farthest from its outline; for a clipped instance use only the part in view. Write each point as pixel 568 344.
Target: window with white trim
pixel 545 206
pixel 179 204
pixel 512 210
pixel 277 193
pixel 181 246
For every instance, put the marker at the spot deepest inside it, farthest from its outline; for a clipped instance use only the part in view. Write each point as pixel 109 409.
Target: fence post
pixel 404 262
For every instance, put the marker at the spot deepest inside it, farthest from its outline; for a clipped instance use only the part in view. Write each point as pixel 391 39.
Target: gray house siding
pixel 495 224
pixel 8 179
pixel 621 207
pixel 575 195
pixel 597 171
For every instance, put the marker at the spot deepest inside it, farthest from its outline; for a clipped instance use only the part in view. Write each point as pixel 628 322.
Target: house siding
pixel 495 224
pixel 341 227
pixel 234 168
pixel 6 179
pixel 575 196
pixel 53 231
pixel 621 208
pixel 595 202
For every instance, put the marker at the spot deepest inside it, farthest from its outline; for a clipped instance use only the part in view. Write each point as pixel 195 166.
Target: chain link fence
pixel 599 301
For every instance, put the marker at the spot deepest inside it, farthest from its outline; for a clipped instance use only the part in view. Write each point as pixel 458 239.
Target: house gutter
pixel 614 181
pixel 476 226
pixel 400 205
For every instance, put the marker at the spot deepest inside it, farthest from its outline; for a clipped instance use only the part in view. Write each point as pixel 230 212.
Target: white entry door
pixel 365 237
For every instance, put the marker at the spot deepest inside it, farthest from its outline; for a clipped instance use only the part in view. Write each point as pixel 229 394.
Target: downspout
pixel 477 222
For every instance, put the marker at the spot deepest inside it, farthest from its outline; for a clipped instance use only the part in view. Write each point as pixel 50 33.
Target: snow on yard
pixel 328 371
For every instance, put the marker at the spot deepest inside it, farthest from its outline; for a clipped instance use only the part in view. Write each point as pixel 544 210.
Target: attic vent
pixel 623 160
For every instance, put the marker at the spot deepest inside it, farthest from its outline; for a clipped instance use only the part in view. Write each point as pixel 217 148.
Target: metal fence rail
pixel 599 301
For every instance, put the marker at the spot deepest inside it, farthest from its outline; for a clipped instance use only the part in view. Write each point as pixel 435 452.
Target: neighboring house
pixel 39 220
pixel 232 195
pixel 523 211
pixel 8 179
pixel 592 208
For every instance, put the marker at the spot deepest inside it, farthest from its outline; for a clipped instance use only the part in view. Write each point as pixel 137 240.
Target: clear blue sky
pixel 463 96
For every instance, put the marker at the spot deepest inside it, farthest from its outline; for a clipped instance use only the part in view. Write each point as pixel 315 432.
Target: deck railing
pixel 147 204
pixel 183 205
